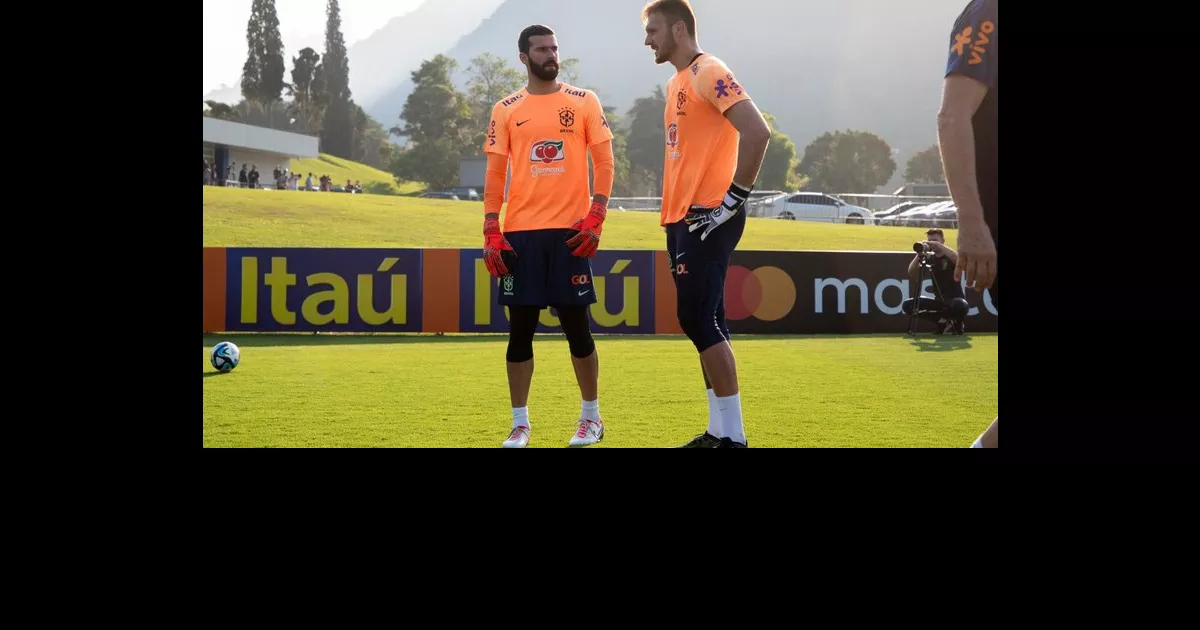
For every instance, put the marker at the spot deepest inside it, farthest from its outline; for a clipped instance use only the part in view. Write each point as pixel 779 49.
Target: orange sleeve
pixel 602 168
pixel 496 140
pixel 493 183
pixel 717 85
pixel 597 129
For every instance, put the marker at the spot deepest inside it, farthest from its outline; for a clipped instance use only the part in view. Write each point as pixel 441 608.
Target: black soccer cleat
pixel 704 440
pixel 729 443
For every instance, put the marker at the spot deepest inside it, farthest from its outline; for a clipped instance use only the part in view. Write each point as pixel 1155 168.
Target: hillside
pixel 384 60
pixel 873 65
pixel 374 181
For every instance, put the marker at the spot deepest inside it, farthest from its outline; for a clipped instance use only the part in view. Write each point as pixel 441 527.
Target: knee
pixel 520 347
pixel 701 327
pixel 688 319
pixel 579 340
pixel 958 308
pixel 578 333
pixel 520 334
pixel 581 344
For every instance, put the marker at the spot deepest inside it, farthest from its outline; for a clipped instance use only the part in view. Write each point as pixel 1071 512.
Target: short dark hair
pixel 932 231
pixel 531 31
pixel 673 10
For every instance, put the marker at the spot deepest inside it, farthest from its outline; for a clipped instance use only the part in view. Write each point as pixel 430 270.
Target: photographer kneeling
pixel 948 312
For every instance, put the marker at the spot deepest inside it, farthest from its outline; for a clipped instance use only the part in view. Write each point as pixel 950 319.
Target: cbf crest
pixel 566 117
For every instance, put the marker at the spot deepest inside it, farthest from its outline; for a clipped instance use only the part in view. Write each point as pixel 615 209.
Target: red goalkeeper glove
pixel 497 253
pixel 587 240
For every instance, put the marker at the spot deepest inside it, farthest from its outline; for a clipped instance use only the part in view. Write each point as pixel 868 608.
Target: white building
pixel 227 142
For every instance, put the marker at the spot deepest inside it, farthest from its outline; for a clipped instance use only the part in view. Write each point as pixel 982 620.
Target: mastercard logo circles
pixel 766 293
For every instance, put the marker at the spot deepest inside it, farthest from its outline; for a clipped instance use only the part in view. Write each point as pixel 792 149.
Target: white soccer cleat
pixel 588 433
pixel 519 438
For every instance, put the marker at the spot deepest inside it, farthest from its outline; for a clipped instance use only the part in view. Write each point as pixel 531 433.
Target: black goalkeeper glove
pixel 711 218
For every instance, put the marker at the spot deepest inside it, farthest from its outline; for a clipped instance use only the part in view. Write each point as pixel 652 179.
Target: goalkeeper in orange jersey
pixel 544 131
pixel 715 142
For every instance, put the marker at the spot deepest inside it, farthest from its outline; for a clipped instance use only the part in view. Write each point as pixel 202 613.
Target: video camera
pixel 925 255
pixel 924 251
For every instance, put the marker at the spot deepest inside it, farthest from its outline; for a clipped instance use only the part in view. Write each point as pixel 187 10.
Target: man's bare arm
pixel 961 97
pixel 752 143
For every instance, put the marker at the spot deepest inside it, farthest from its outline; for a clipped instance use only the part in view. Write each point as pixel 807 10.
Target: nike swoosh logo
pixel 583 292
pixel 679 255
pixel 524 121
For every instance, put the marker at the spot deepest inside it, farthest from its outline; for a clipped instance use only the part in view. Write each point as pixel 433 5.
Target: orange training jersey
pixel 546 138
pixel 702 144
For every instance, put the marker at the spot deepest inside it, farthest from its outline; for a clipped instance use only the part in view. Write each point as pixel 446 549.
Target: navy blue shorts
pixel 699 268
pixel 545 273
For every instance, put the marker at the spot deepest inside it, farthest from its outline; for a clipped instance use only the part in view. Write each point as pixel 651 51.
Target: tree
pixel 847 162
pixel 778 167
pixel 273 116
pixel 435 109
pixel 221 111
pixel 925 167
pixel 307 104
pixel 491 79
pixel 371 144
pixel 438 122
pixel 252 69
pixel 645 144
pixel 620 186
pixel 271 80
pixel 338 123
pixel 568 71
pixel 434 161
pixel 262 74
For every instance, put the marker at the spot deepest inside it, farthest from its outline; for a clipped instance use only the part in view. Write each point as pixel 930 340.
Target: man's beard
pixel 543 73
pixel 663 54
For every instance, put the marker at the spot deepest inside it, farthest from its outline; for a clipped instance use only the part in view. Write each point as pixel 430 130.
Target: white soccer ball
pixel 225 356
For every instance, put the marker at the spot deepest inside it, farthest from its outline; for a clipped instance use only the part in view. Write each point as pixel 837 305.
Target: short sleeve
pixel 973 43
pixel 496 139
pixel 716 84
pixel 597 125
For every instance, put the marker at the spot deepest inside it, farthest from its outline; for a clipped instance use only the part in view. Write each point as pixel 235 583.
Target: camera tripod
pixel 923 268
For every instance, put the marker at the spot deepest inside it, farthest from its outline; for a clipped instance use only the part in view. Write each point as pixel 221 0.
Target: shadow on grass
pixel 334 339
pixel 381 188
pixel 330 339
pixel 940 344
pixel 208 373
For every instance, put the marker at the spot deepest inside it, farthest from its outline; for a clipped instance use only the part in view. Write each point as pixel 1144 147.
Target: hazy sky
pixel 301 23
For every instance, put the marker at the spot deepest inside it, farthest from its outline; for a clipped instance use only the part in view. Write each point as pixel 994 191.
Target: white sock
pixel 590 410
pixel 731 417
pixel 715 427
pixel 520 417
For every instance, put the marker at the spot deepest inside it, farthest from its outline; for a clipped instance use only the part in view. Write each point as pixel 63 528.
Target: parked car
pixel 463 192
pixel 439 195
pixel 761 202
pixel 812 206
pixel 911 216
pixel 923 216
pixel 945 218
pixel 898 208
